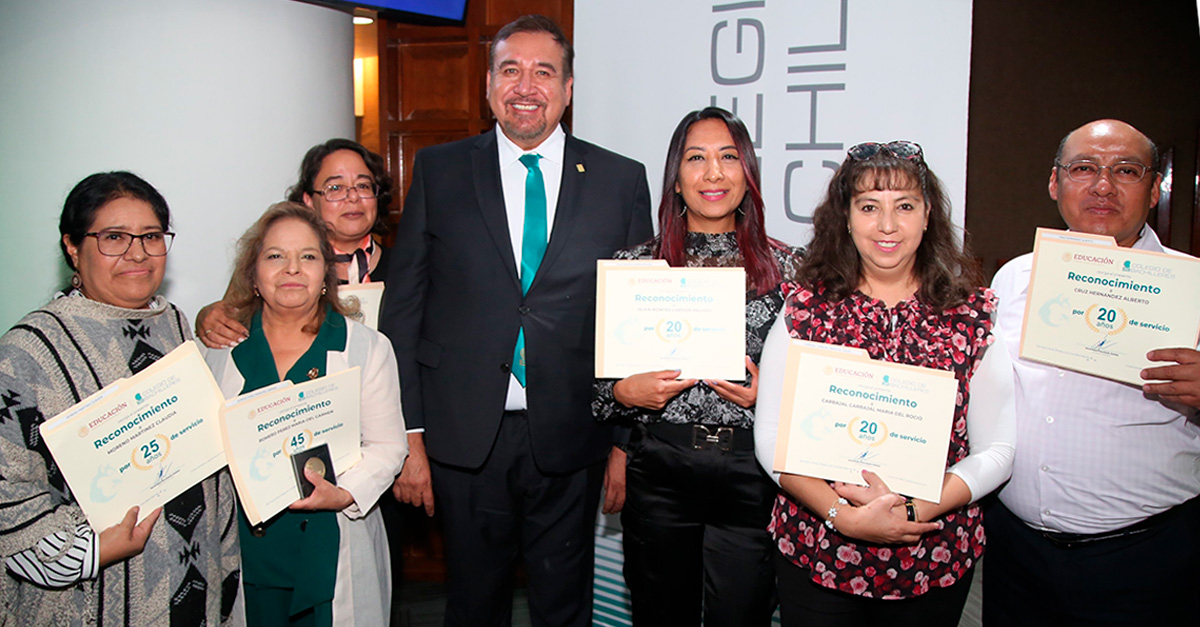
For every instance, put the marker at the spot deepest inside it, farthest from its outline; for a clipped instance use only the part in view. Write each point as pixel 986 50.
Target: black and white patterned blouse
pixel 700 404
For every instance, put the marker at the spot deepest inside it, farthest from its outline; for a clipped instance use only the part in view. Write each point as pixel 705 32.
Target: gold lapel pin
pixel 579 166
pixel 313 373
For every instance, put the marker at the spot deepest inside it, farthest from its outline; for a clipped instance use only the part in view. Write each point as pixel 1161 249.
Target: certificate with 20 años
pixel 263 429
pixel 1098 309
pixel 844 412
pixel 142 440
pixel 653 317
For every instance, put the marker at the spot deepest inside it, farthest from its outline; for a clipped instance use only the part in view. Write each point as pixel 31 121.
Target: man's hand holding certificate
pixel 844 412
pixel 1098 309
pixel 142 440
pixel 650 317
pixel 262 430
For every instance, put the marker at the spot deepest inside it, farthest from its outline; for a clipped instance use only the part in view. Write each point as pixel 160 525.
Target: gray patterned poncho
pixel 188 572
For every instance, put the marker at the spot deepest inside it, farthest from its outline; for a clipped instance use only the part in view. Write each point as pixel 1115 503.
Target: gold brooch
pixel 313 373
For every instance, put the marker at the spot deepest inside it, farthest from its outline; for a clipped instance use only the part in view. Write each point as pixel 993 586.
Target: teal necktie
pixel 533 245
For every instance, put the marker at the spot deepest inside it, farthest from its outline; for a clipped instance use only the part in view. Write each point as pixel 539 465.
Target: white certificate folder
pixel 1097 308
pixel 844 412
pixel 263 429
pixel 652 317
pixel 142 440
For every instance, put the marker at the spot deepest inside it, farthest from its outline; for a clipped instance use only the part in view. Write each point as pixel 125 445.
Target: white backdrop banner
pixel 809 77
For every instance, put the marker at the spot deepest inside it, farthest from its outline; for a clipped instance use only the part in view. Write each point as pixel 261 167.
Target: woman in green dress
pixel 324 560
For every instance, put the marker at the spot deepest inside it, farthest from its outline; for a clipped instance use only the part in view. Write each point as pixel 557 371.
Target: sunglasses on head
pixel 899 149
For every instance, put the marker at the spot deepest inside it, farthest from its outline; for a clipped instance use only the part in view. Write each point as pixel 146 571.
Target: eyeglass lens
pixel 117 243
pixel 1088 171
pixel 335 193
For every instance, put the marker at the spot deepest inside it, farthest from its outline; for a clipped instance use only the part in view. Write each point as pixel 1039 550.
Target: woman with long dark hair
pixel 885 273
pixel 696 504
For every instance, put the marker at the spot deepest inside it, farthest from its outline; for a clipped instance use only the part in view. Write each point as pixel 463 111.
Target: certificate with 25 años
pixel 652 317
pixel 142 440
pixel 1096 308
pixel 844 412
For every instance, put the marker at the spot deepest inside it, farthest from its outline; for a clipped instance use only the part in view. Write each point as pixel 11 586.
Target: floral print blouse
pixel 909 333
pixel 700 404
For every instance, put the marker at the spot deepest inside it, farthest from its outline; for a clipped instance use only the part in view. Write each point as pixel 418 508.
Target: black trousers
pixel 695 527
pixel 1147 578
pixel 806 604
pixel 507 508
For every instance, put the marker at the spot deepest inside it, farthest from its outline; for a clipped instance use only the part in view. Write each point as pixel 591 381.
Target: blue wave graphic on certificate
pixel 818 425
pixel 1056 311
pixel 261 464
pixel 104 485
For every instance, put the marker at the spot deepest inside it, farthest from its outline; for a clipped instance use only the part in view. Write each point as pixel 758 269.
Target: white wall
pixel 895 70
pixel 212 101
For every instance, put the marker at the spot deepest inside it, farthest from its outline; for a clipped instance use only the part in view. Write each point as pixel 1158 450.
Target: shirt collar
pixel 551 149
pixel 1148 240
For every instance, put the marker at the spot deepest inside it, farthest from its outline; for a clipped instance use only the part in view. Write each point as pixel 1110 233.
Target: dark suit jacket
pixel 453 304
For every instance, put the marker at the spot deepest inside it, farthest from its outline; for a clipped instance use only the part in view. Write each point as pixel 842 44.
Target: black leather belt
pixel 704 437
pixel 1076 540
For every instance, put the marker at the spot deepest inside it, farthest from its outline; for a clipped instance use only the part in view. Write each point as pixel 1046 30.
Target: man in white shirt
pixel 1100 523
pixel 490 306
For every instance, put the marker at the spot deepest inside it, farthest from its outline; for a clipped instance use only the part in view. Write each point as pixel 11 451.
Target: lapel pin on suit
pixel 579 166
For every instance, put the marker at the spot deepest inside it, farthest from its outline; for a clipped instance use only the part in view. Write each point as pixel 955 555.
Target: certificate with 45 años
pixel 262 430
pixel 844 412
pixel 1097 308
pixel 142 440
pixel 652 317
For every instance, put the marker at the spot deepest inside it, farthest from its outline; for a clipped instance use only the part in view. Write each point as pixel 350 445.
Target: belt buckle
pixel 717 437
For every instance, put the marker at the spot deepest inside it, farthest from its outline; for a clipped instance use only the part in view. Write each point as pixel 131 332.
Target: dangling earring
pixel 849 230
pixel 683 212
pixel 323 290
pixel 76 282
pixel 256 294
pixel 740 210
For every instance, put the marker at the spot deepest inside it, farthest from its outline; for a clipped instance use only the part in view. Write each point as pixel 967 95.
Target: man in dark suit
pixel 490 305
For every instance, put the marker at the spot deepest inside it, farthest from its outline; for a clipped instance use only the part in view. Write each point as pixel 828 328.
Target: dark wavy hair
pixel 242 295
pixel 315 157
pixel 946 274
pixel 762 271
pixel 92 193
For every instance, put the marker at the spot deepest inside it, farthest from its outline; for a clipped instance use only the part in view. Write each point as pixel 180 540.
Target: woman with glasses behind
pixel 180 565
pixel 350 188
pixel 885 273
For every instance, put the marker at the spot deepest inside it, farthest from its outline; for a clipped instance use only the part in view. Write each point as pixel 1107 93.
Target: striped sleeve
pixel 59 560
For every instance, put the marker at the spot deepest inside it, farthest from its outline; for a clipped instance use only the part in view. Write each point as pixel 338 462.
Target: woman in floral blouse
pixel 697 504
pixel 885 273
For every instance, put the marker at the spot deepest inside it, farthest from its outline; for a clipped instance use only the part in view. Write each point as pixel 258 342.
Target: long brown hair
pixel 762 271
pixel 946 274
pixel 243 295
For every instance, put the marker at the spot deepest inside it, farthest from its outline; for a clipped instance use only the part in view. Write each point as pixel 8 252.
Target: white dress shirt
pixel 512 180
pixel 1093 455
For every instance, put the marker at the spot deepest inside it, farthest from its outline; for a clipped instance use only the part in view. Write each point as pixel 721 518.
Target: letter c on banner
pixel 742 25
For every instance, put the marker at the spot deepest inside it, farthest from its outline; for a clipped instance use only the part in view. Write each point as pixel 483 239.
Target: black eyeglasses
pixel 337 192
pixel 900 149
pixel 117 243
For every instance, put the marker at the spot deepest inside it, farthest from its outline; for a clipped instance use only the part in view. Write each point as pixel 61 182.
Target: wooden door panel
pixel 437 81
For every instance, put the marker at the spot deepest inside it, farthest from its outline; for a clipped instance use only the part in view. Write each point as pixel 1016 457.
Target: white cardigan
pixel 362 594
